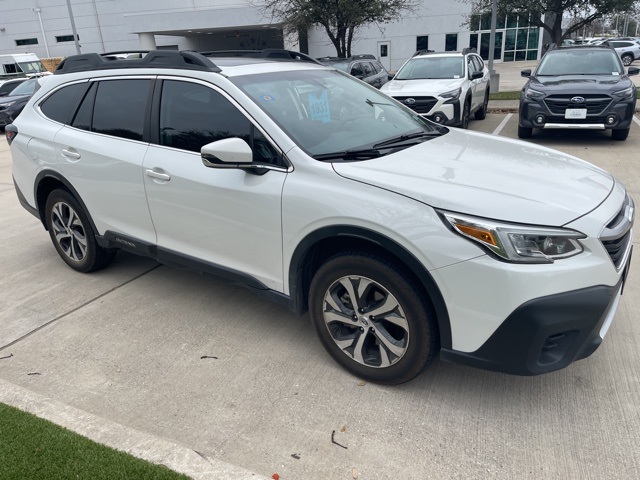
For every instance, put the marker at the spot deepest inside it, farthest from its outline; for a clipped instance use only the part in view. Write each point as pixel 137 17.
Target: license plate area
pixel 575 113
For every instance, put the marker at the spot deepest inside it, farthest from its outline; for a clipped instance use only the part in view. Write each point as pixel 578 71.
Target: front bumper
pixel 546 334
pixel 531 110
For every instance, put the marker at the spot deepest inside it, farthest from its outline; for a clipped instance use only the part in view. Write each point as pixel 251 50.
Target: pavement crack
pixel 79 307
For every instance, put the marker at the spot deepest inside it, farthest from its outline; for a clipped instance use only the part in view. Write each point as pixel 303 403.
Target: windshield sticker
pixel 456 76
pixel 268 98
pixel 319 107
pixel 615 73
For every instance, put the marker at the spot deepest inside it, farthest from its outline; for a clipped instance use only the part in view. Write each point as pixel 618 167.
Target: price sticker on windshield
pixel 319 107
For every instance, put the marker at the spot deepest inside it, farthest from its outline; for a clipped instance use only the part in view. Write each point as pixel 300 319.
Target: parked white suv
pixel 446 87
pixel 401 238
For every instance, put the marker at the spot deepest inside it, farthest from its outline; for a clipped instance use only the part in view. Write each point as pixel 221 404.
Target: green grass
pixel 35 449
pixel 516 95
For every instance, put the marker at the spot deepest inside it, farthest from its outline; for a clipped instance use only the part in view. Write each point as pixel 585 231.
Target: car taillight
pixel 10 131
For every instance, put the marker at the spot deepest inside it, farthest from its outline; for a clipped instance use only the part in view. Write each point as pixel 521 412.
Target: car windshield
pixel 327 111
pixel 431 68
pixel 26 88
pixel 576 62
pixel 32 67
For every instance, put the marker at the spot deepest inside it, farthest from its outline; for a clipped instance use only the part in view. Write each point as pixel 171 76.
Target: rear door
pixel 101 151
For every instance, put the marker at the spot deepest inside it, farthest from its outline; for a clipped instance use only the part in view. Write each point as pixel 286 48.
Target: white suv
pixel 446 87
pixel 401 238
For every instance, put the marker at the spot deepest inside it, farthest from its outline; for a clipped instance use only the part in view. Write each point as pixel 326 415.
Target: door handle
pixel 70 154
pixel 159 175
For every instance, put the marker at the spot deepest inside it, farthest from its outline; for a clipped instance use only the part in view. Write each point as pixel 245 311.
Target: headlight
pixel 452 94
pixel 516 243
pixel 531 93
pixel 626 93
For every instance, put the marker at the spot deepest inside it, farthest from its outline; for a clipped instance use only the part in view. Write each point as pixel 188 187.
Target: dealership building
pixel 45 27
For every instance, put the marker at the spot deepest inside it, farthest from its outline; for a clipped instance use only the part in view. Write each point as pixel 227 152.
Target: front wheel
pixel 72 235
pixel 466 112
pixel 626 59
pixel 372 318
pixel 524 132
pixel 620 133
pixel 482 113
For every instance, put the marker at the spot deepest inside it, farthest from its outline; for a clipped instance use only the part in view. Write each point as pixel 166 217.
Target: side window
pixel 192 115
pixel 368 69
pixel 479 63
pixel 82 120
pixel 357 70
pixel 377 68
pixel 120 107
pixel 58 106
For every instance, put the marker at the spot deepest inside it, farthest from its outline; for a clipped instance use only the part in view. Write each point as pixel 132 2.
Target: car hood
pixel 582 83
pixel 420 87
pixel 490 177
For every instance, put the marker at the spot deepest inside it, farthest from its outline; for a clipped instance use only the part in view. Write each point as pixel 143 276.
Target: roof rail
pixel 151 59
pixel 422 52
pixel 469 50
pixel 363 55
pixel 268 53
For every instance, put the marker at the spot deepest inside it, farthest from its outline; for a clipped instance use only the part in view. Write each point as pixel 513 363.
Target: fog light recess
pixel 539 119
pixel 612 120
pixel 438 118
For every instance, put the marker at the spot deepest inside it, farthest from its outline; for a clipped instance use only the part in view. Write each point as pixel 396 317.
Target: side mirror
pixel 227 153
pixel 525 73
pixel 633 71
pixel 477 75
pixel 390 76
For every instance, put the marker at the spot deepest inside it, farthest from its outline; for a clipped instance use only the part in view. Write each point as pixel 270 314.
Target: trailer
pixel 18 65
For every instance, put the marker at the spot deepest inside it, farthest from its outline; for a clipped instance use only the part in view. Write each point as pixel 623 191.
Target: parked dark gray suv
pixel 578 87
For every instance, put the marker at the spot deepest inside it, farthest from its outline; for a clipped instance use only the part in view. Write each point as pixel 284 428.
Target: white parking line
pixel 502 124
pixel 635 119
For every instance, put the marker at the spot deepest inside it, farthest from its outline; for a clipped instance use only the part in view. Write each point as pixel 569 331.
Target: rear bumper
pixel 547 333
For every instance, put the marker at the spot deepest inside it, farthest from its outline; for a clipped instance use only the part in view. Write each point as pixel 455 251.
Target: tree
pixel 339 18
pixel 584 12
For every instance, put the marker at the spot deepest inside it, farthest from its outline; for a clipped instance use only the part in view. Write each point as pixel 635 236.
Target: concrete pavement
pixel 211 368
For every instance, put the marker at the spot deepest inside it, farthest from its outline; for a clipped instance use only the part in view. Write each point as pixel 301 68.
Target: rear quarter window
pixel 59 105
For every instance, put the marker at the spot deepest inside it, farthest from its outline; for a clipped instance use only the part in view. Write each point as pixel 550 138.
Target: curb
pixel 134 442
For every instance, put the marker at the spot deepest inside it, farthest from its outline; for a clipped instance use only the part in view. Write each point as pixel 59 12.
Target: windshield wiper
pixel 362 154
pixel 405 137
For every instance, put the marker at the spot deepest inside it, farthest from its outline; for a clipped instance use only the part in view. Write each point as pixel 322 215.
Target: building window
pixel 26 41
pixel 451 42
pixel 422 42
pixel 65 38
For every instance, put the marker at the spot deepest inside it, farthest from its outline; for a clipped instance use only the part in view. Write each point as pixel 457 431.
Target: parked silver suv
pixel 401 237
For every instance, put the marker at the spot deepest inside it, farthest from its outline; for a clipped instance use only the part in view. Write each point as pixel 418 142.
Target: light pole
pixel 73 27
pixel 44 35
pixel 494 78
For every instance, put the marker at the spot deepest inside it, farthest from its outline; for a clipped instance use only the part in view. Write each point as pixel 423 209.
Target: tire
pixel 620 133
pixel 524 132
pixel 466 112
pixel 482 113
pixel 627 59
pixel 72 234
pixel 391 337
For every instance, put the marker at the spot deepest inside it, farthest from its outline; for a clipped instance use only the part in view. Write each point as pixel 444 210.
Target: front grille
pixel 595 104
pixel 422 105
pixel 616 236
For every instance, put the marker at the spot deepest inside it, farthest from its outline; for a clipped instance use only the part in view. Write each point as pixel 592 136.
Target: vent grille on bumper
pixel 594 104
pixel 421 105
pixel 616 236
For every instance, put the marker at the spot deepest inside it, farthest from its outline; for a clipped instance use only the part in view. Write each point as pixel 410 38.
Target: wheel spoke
pixel 389 305
pixel 385 339
pixel 347 283
pixel 384 356
pixel 359 347
pixel 330 317
pixel 61 235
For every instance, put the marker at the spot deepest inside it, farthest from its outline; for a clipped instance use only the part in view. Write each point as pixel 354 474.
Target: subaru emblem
pixel 577 100
pixel 410 101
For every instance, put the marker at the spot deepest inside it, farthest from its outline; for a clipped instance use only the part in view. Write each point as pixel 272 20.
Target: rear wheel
pixel 524 132
pixel 620 133
pixel 72 235
pixel 371 318
pixel 627 59
pixel 482 113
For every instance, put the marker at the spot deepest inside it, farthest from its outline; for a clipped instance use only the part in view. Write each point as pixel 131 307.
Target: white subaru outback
pixel 401 238
pixel 445 87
